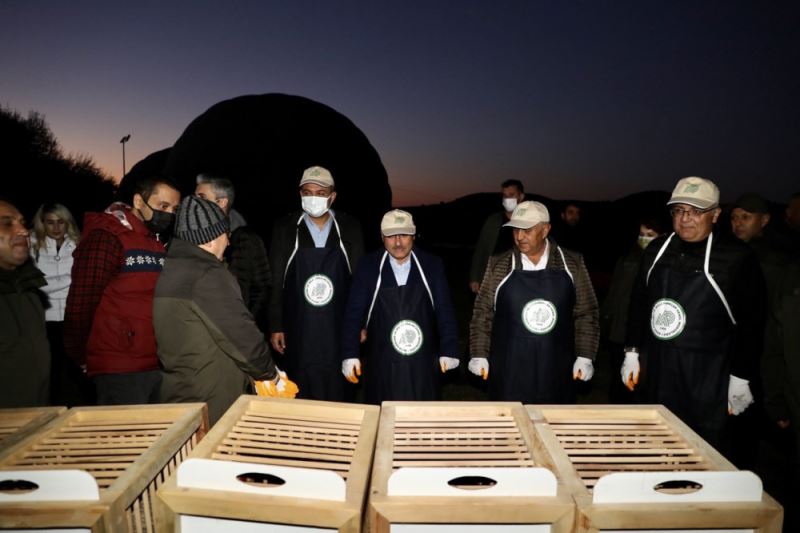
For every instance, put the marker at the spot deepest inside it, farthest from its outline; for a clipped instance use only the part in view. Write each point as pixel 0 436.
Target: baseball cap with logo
pixel 397 222
pixel 528 214
pixel 697 192
pixel 319 175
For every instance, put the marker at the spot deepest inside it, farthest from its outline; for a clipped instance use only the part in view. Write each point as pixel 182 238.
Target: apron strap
pixel 658 256
pixel 377 287
pixel 713 282
pixel 341 244
pixel 564 259
pixel 424 279
pixel 294 251
pixel 706 271
pixel 502 282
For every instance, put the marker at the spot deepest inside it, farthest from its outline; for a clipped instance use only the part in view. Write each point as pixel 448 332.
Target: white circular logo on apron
pixel 318 290
pixel 667 319
pixel 539 316
pixel 406 337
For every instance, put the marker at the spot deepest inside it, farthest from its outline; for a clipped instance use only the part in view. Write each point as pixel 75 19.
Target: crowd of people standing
pixel 163 299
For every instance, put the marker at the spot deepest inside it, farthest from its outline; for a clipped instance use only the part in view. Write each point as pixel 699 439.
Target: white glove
pixel 739 395
pixel 479 366
pixel 351 368
pixel 583 369
pixel 448 363
pixel 630 370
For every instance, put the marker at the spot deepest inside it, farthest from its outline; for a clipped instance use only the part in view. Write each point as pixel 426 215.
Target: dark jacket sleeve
pixel 445 314
pixel 747 297
pixel 487 239
pixel 249 265
pixel 219 300
pixel 352 238
pixel 280 249
pixel 358 301
pixel 638 312
pixel 480 327
pixel 774 370
pixel 586 312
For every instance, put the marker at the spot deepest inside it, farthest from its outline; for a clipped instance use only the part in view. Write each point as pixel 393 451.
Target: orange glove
pixel 281 387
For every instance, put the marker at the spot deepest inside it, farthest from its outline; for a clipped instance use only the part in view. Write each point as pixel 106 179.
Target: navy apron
pixel 533 337
pixel 316 285
pixel 401 349
pixel 685 356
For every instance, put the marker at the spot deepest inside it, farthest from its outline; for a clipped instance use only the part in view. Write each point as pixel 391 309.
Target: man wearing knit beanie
pixel 208 343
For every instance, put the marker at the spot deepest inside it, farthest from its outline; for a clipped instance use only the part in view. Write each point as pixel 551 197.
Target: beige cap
pixel 397 222
pixel 528 214
pixel 320 176
pixel 697 192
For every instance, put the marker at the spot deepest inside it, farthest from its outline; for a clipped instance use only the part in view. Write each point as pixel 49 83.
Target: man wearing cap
pixel 696 316
pixel 535 324
pixel 312 255
pixel 400 307
pixel 209 346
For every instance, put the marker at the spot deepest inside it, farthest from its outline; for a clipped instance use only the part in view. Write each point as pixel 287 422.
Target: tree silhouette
pixel 34 170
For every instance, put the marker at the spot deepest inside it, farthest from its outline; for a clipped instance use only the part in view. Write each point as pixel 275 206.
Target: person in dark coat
pixel 246 256
pixel 696 317
pixel 614 310
pixel 535 319
pixel 209 346
pixel 494 238
pixel 313 254
pixel 400 308
pixel 24 350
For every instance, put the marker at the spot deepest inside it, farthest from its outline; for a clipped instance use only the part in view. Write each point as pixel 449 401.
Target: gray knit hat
pixel 200 221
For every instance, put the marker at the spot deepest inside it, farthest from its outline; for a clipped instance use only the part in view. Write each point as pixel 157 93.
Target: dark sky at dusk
pixel 586 100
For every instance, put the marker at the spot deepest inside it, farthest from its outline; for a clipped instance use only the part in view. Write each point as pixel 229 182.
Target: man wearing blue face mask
pixel 312 256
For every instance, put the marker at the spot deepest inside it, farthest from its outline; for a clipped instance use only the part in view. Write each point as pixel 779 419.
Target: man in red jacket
pixel 108 325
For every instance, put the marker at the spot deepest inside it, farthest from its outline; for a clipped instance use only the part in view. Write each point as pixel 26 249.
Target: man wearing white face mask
pixel 494 239
pixel 312 256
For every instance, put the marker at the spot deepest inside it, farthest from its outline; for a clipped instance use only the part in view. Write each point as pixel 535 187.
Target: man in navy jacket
pixel 401 311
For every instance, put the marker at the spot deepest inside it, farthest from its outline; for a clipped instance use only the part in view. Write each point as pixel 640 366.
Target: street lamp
pixel 123 141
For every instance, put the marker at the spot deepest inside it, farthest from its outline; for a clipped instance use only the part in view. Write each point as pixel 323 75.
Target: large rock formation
pixel 263 143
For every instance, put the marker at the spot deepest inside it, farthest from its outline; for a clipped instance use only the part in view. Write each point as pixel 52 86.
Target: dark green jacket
pixel 24 350
pixel 208 343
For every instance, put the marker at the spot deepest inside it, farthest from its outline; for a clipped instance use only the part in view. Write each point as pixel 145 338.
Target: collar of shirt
pixel 401 271
pixel 320 236
pixel 527 264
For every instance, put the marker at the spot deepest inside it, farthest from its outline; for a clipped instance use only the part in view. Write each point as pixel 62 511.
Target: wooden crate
pixel 463 466
pixel 321 452
pixel 97 468
pixel 613 458
pixel 16 424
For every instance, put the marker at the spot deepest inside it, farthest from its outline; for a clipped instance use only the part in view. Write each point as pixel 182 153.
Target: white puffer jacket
pixel 57 268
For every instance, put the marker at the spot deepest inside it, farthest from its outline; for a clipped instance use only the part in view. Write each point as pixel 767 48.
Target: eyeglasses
pixel 692 212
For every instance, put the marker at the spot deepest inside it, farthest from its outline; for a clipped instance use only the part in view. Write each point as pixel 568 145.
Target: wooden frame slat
pixel 127 449
pixel 588 442
pixel 454 435
pixel 334 437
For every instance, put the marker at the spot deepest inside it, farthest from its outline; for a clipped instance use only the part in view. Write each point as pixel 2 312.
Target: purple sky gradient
pixel 586 100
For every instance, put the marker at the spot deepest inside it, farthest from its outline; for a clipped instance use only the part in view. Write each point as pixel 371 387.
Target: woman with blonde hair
pixel 53 239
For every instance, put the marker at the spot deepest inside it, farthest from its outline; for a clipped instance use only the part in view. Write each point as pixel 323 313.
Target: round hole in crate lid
pixel 472 482
pixel 259 479
pixel 678 486
pixel 17 486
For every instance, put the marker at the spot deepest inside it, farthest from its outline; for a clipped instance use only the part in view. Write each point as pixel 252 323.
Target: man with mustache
pixel 400 308
pixel 24 350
